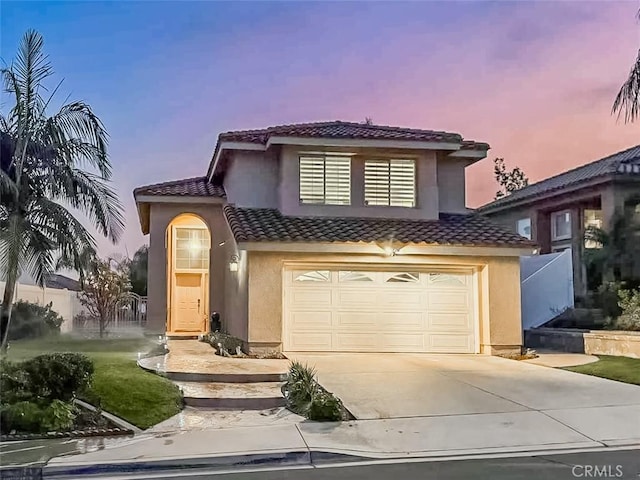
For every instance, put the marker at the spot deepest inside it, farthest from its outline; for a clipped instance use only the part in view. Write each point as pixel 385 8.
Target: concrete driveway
pixel 387 386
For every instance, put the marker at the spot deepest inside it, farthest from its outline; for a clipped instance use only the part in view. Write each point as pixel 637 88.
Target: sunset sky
pixel 536 80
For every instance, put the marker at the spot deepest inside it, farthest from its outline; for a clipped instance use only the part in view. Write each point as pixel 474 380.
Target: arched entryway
pixel 188 246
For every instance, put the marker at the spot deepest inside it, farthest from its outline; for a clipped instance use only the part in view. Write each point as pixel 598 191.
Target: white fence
pixel 546 287
pixel 65 302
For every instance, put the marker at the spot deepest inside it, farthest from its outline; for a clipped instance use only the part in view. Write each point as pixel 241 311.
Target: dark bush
pixel 14 383
pixel 606 298
pixel 22 417
pixel 224 343
pixel 58 376
pixel 30 320
pixel 325 407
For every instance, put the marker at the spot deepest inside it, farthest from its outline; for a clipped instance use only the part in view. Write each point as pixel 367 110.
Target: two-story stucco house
pixel 556 211
pixel 334 236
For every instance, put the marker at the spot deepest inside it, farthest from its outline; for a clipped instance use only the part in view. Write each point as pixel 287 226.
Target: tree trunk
pixel 5 311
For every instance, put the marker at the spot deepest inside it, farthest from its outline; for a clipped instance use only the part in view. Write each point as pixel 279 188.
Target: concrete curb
pixel 297 458
pixel 111 417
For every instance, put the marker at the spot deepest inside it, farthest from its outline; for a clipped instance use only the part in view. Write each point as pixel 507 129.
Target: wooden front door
pixel 189 305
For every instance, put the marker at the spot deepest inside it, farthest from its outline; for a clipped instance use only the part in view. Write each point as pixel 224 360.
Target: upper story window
pixel 593 219
pixel 390 182
pixel 561 225
pixel 524 227
pixel 325 180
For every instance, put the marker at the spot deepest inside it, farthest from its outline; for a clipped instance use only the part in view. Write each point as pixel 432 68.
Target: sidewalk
pixel 306 442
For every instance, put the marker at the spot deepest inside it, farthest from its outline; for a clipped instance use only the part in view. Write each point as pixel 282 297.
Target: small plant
pixel 325 407
pixel 59 416
pixel 629 303
pixel 58 376
pixel 225 344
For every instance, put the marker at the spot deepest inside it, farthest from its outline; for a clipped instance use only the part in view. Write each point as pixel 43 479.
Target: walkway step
pixel 242 396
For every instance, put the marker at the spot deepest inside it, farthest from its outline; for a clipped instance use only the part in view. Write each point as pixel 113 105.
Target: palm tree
pixel 51 165
pixel 627 102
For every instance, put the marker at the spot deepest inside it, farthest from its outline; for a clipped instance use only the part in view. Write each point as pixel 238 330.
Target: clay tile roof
pixel 340 129
pixel 269 225
pixel 188 187
pixel 626 162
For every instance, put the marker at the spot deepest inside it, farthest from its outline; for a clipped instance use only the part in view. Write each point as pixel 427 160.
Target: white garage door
pixel 378 311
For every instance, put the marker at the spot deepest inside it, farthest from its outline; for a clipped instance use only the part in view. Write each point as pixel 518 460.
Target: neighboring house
pixel 555 212
pixel 334 236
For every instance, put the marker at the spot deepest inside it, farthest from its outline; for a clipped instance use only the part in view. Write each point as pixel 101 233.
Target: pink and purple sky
pixel 534 79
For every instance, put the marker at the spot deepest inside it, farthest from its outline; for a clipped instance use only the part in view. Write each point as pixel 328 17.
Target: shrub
pixel 325 407
pixel 629 304
pixel 58 376
pixel 300 387
pixel 59 416
pixel 14 382
pixel 606 299
pixel 224 343
pixel 30 320
pixel 21 416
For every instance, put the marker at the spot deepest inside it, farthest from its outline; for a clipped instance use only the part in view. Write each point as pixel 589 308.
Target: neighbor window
pixel 524 227
pixel 325 180
pixel 561 225
pixel 390 182
pixel 592 218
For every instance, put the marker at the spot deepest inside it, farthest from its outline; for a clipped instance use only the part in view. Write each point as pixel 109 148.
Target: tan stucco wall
pixel 451 184
pixel 498 293
pixel 161 215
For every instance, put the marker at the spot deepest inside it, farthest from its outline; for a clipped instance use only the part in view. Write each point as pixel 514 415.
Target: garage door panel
pixel 449 321
pixel 401 299
pixel 448 300
pixel 358 319
pixel 311 320
pixel 450 342
pixel 354 299
pixel 403 342
pixel 394 321
pixel 309 298
pixel 379 311
pixel 310 341
pixel 365 341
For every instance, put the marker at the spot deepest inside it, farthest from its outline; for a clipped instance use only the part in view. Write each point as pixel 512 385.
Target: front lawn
pixel 622 369
pixel 119 385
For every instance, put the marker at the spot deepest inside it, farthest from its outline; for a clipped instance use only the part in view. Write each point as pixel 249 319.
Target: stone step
pixel 240 396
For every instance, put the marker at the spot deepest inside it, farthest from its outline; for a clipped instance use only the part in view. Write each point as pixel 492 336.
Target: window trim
pixel 518 227
pixel 554 233
pixel 323 158
pixel 388 161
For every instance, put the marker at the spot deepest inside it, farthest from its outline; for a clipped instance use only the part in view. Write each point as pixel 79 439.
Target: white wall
pixel 546 287
pixel 65 302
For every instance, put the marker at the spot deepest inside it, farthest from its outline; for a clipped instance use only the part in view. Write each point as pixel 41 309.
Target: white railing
pixel 546 287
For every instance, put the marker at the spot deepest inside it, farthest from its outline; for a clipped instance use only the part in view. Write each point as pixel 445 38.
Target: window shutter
pixel 389 182
pixel 325 180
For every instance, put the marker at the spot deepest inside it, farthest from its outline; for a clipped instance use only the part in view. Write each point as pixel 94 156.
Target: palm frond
pixel 627 102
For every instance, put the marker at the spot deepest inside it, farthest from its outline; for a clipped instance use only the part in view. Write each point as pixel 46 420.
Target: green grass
pixel 622 369
pixel 119 385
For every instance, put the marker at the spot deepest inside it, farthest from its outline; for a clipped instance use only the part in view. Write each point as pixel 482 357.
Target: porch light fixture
pixel 221 244
pixel 390 251
pixel 233 263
